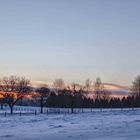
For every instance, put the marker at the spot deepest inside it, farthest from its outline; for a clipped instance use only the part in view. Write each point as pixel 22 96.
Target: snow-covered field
pixel 106 125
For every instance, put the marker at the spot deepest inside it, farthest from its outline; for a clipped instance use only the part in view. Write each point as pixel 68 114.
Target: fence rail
pixel 36 110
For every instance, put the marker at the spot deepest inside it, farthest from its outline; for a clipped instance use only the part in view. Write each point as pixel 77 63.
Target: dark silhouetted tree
pixel 135 90
pixel 14 89
pixel 59 84
pixel 88 85
pixel 41 95
pixel 98 89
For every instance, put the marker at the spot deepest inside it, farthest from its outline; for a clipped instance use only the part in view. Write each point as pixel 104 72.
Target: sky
pixel 70 39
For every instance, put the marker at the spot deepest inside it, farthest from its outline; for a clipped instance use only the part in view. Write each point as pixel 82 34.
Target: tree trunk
pixel 1 106
pixel 41 106
pixel 11 110
pixel 41 110
pixel 72 105
pixel 72 111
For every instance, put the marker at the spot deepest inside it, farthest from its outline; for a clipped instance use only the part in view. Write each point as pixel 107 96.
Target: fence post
pixel 5 114
pixel 35 112
pixel 82 110
pixel 101 109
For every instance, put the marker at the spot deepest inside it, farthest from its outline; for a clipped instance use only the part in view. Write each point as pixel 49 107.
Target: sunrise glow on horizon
pixel 72 40
pixel 69 69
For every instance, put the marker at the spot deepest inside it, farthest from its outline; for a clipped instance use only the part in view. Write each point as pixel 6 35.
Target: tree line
pixel 18 91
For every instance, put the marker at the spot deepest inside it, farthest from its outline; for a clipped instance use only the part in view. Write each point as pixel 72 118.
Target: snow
pixel 107 124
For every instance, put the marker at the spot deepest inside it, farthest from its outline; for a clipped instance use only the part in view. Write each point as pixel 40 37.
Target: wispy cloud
pixel 111 86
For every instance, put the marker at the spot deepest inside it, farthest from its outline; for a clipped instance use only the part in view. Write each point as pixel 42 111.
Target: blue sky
pixel 70 39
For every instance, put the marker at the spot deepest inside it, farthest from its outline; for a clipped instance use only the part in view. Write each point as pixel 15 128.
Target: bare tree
pixel 74 88
pixel 98 88
pixel 88 85
pixel 135 89
pixel 14 89
pixel 102 96
pixel 59 84
pixel 41 96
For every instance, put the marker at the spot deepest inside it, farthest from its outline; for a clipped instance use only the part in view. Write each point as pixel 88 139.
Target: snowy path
pixel 106 125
